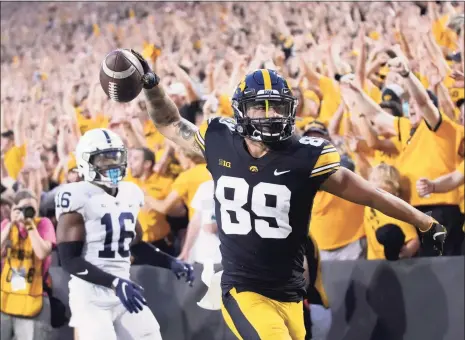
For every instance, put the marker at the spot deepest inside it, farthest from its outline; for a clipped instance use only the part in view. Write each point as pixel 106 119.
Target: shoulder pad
pixel 132 192
pixel 229 122
pixel 213 124
pixel 71 197
pixel 327 157
pixel 315 143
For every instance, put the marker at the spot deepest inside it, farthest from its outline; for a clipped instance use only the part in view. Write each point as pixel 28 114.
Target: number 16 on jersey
pixel 123 245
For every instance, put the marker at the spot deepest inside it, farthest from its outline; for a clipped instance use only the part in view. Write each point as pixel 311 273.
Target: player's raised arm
pixel 347 185
pixel 164 113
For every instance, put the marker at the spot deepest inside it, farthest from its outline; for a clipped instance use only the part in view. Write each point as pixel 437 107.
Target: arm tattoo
pixel 160 107
pixel 184 129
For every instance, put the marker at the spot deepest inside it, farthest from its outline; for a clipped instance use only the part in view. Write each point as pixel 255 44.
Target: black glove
pixel 130 294
pixel 436 235
pixel 149 79
pixel 183 269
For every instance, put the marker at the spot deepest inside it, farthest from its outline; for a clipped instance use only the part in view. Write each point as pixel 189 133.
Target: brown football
pixel 120 75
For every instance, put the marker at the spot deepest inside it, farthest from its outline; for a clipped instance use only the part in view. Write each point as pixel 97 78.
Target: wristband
pixel 431 224
pixel 150 80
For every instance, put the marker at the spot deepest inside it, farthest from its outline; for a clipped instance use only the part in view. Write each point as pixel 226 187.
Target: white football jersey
pixel 109 221
pixel 207 245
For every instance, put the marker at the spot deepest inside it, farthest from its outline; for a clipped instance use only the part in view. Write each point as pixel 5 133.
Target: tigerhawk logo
pixel 253 168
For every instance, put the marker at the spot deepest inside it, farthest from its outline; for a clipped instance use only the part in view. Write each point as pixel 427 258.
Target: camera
pixel 28 211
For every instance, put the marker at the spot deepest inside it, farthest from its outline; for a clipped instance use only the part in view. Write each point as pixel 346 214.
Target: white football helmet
pixel 101 157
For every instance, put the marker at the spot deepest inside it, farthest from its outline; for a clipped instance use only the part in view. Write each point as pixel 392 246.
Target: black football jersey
pixel 263 207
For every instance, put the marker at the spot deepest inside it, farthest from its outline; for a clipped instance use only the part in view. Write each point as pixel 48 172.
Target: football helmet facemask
pixel 101 157
pixel 264 107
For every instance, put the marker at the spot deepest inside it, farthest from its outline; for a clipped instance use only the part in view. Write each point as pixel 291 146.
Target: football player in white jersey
pixel 97 233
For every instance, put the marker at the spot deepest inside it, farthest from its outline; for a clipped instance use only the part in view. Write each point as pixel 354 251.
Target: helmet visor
pixel 265 108
pixel 108 159
pixel 110 164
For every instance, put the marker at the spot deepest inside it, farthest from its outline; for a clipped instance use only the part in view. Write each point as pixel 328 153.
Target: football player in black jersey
pixel 265 181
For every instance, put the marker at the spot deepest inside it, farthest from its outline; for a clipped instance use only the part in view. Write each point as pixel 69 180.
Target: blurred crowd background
pixel 50 96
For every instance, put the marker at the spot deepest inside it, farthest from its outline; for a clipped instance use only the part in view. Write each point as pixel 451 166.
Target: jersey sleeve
pixel 137 194
pixel 219 125
pixel 69 198
pixel 200 135
pixel 328 162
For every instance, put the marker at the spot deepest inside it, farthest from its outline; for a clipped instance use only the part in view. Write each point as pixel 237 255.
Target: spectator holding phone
pixel 26 244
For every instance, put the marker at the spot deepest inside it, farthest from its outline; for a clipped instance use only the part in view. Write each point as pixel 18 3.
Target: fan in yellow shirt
pixel 86 122
pixel 155 227
pixel 441 143
pixel 388 238
pixel 65 167
pixel 185 185
pixel 153 137
pixel 13 155
pixel 310 110
pixel 342 240
pixel 386 150
pixel 442 184
pixel 151 52
pixel 330 93
pixel 429 147
pixel 224 106
pixel 444 36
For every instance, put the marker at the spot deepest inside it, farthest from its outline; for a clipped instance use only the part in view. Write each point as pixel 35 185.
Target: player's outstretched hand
pixel 130 294
pixel 149 79
pixel 436 235
pixel 183 269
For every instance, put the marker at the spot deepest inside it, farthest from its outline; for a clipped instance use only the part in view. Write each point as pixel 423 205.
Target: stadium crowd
pixel 337 57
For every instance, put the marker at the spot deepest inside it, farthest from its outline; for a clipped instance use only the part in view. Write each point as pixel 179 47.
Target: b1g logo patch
pixel 224 163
